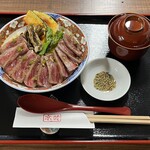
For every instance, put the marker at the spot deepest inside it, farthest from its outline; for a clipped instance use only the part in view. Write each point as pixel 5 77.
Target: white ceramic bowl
pixel 69 24
pixel 113 67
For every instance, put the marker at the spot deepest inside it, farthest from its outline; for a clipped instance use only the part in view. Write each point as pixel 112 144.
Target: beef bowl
pixel 129 36
pixel 41 52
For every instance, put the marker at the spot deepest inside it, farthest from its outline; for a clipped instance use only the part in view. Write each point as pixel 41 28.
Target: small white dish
pixel 113 67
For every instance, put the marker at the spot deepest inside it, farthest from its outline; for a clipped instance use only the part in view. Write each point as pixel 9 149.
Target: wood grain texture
pixel 64 145
pixel 76 7
pixel 75 147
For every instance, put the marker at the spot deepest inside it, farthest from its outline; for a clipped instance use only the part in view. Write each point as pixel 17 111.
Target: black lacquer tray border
pixel 87 136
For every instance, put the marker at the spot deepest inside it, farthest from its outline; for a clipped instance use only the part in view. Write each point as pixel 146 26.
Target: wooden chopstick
pixel 118 116
pixel 145 120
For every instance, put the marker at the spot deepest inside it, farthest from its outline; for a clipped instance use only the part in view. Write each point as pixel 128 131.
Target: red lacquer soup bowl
pixel 129 36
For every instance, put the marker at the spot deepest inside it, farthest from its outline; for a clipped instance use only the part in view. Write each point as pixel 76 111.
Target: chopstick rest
pixel 118 119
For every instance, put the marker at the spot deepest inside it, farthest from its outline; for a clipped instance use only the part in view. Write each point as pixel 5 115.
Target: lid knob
pixel 134 23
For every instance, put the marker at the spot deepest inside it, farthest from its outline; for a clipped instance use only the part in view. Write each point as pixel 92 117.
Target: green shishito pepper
pixel 49 36
pixel 51 40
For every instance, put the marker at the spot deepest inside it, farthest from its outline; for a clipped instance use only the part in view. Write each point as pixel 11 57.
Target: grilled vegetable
pixel 34 38
pixel 49 37
pixel 49 20
pixel 32 19
pixel 40 18
pixel 56 38
pixel 37 23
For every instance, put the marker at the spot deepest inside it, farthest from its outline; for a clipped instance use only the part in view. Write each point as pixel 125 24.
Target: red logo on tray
pixel 52 117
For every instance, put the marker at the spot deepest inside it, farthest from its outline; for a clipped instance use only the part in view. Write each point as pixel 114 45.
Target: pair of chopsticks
pixel 118 119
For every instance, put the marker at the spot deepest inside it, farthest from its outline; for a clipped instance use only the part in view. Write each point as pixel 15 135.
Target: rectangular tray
pixel 137 98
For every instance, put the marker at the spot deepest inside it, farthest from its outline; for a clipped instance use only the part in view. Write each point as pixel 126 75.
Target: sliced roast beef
pixel 25 66
pixel 66 61
pixel 54 74
pixel 12 53
pixel 9 68
pixel 70 43
pixel 62 45
pixel 68 52
pixel 12 43
pixel 43 76
pixel 31 76
pixel 61 66
pixel 19 72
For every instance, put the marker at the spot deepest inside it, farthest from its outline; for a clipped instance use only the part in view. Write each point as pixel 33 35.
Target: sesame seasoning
pixel 104 81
